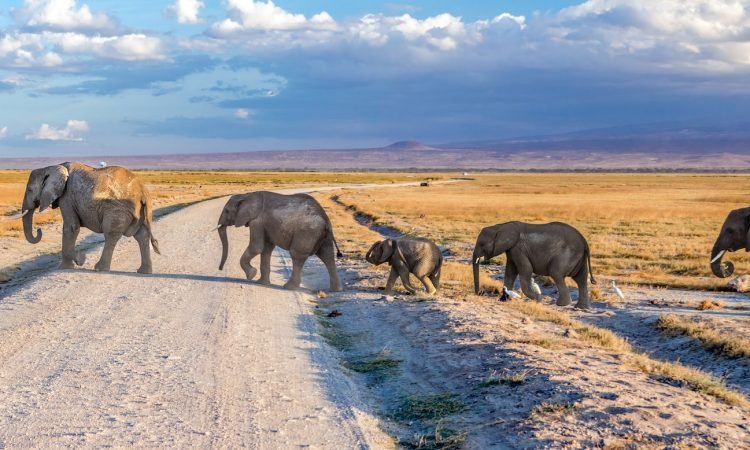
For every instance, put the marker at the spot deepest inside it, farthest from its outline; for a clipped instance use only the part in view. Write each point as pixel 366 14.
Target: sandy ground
pixel 187 357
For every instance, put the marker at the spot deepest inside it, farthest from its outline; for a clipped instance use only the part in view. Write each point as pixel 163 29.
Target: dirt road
pixel 187 357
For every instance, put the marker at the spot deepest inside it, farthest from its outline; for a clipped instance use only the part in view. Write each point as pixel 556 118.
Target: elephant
pixel 553 249
pixel 418 256
pixel 734 235
pixel 296 223
pixel 110 200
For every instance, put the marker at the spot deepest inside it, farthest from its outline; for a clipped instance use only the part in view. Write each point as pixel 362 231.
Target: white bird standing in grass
pixel 617 291
pixel 535 288
pixel 507 293
pixel 102 164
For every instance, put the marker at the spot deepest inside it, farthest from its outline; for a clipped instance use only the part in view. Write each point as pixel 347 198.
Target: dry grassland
pixel 652 229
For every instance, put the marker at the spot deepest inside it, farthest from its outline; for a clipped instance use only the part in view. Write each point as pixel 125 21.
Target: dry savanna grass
pixel 655 229
pixel 717 341
pixel 171 188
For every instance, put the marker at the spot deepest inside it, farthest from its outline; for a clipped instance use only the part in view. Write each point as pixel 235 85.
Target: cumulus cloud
pixel 705 34
pixel 62 15
pixel 253 15
pixel 128 47
pixel 73 131
pixel 186 11
pixel 3 132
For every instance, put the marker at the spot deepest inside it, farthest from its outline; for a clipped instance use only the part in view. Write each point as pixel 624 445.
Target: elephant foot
pixel 432 292
pixel 335 288
pixel 145 270
pixel 583 306
pixel 80 258
pixel 291 286
pixel 264 281
pixel 66 265
pixel 101 267
pixel 563 302
pixel 250 272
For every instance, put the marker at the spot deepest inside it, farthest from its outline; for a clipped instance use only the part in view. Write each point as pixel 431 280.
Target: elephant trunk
pixel 718 267
pixel 224 245
pixel 28 223
pixel 475 265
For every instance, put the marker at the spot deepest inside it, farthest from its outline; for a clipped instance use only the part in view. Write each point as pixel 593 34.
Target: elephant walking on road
pixel 109 200
pixel 296 223
pixel 553 249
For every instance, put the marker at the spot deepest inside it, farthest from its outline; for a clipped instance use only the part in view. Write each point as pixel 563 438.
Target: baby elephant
pixel 418 256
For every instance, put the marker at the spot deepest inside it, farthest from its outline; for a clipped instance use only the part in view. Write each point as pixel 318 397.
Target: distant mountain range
pixel 643 148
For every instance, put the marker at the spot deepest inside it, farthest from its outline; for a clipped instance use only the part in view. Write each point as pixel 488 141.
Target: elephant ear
pixel 248 209
pixel 505 238
pixel 53 188
pixel 370 257
pixel 386 250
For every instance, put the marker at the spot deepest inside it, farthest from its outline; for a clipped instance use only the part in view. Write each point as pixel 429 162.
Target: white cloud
pixel 63 15
pixel 129 47
pixel 3 132
pixel 248 15
pixel 71 132
pixel 242 113
pixel 186 11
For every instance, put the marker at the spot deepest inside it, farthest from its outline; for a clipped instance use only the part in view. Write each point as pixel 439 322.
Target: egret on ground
pixel 535 288
pixel 508 294
pixel 102 164
pixel 617 291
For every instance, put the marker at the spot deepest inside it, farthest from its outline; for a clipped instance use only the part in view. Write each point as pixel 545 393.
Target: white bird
pixel 617 291
pixel 535 288
pixel 507 293
pixel 102 164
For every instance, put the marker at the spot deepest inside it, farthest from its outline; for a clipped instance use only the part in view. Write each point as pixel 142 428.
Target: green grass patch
pixel 515 379
pixel 428 407
pixel 378 366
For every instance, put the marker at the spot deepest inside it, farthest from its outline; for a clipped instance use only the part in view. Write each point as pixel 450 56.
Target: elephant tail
pixel 338 252
pixel 147 222
pixel 588 260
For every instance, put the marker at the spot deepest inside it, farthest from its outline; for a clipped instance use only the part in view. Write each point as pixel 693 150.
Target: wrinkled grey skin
pixel 418 256
pixel 296 223
pixel 734 235
pixel 553 249
pixel 111 201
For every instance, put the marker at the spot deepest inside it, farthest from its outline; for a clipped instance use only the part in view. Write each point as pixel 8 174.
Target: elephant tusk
pixel 718 256
pixel 18 216
pixel 476 261
pixel 215 228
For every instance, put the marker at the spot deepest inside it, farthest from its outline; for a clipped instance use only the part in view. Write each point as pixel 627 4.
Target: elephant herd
pixel 113 201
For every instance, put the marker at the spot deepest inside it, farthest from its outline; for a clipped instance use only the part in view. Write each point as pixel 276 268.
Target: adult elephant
pixel 110 200
pixel 734 235
pixel 296 223
pixel 553 249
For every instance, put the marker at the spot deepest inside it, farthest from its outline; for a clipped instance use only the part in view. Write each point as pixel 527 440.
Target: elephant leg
pixel 392 277
pixel 511 273
pixel 428 285
pixel 105 261
pixel 582 280
pixel 525 270
pixel 69 255
pixel 296 279
pixel 250 253
pixel 265 264
pixel 435 279
pixel 143 237
pixel 563 298
pixel 404 274
pixel 327 255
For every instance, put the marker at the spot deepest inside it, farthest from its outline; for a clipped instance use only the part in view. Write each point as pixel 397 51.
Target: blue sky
pixel 116 77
